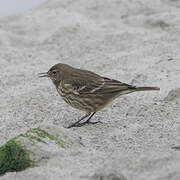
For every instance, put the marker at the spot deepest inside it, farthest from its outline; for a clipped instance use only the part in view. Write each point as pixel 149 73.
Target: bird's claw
pixel 82 124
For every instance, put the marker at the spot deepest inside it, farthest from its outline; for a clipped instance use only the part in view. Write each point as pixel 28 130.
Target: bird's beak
pixel 43 74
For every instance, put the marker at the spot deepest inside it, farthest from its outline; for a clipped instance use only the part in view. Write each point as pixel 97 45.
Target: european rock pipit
pixel 86 90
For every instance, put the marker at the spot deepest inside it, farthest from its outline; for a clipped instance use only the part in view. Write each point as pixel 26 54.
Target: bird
pixel 86 90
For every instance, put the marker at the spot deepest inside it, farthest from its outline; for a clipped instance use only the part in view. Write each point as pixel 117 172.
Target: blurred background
pixel 9 7
pixel 134 41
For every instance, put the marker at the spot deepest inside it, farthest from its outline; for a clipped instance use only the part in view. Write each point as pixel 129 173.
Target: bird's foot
pixel 82 124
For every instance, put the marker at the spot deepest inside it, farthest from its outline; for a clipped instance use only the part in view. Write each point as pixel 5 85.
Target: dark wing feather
pixel 114 86
pixel 99 85
pixel 83 81
pixel 81 85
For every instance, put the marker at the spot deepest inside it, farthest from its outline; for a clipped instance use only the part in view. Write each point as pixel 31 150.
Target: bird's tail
pixel 146 88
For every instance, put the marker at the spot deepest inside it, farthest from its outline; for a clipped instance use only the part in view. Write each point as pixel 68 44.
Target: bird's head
pixel 56 73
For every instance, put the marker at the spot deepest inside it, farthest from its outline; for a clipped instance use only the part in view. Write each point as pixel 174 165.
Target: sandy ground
pixel 136 42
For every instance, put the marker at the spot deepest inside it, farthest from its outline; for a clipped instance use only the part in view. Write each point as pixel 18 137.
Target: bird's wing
pixel 99 85
pixel 80 85
pixel 114 86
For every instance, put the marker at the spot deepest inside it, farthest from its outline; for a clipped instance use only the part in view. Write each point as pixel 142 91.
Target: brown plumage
pixel 87 91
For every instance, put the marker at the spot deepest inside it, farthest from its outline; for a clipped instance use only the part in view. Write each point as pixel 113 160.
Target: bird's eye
pixel 54 72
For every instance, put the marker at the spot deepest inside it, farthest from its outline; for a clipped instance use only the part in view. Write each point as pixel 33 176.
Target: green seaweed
pixel 14 157
pixel 32 138
pixel 43 134
pixel 39 134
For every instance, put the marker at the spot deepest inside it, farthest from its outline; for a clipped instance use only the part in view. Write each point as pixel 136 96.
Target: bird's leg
pixel 88 121
pixel 76 124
